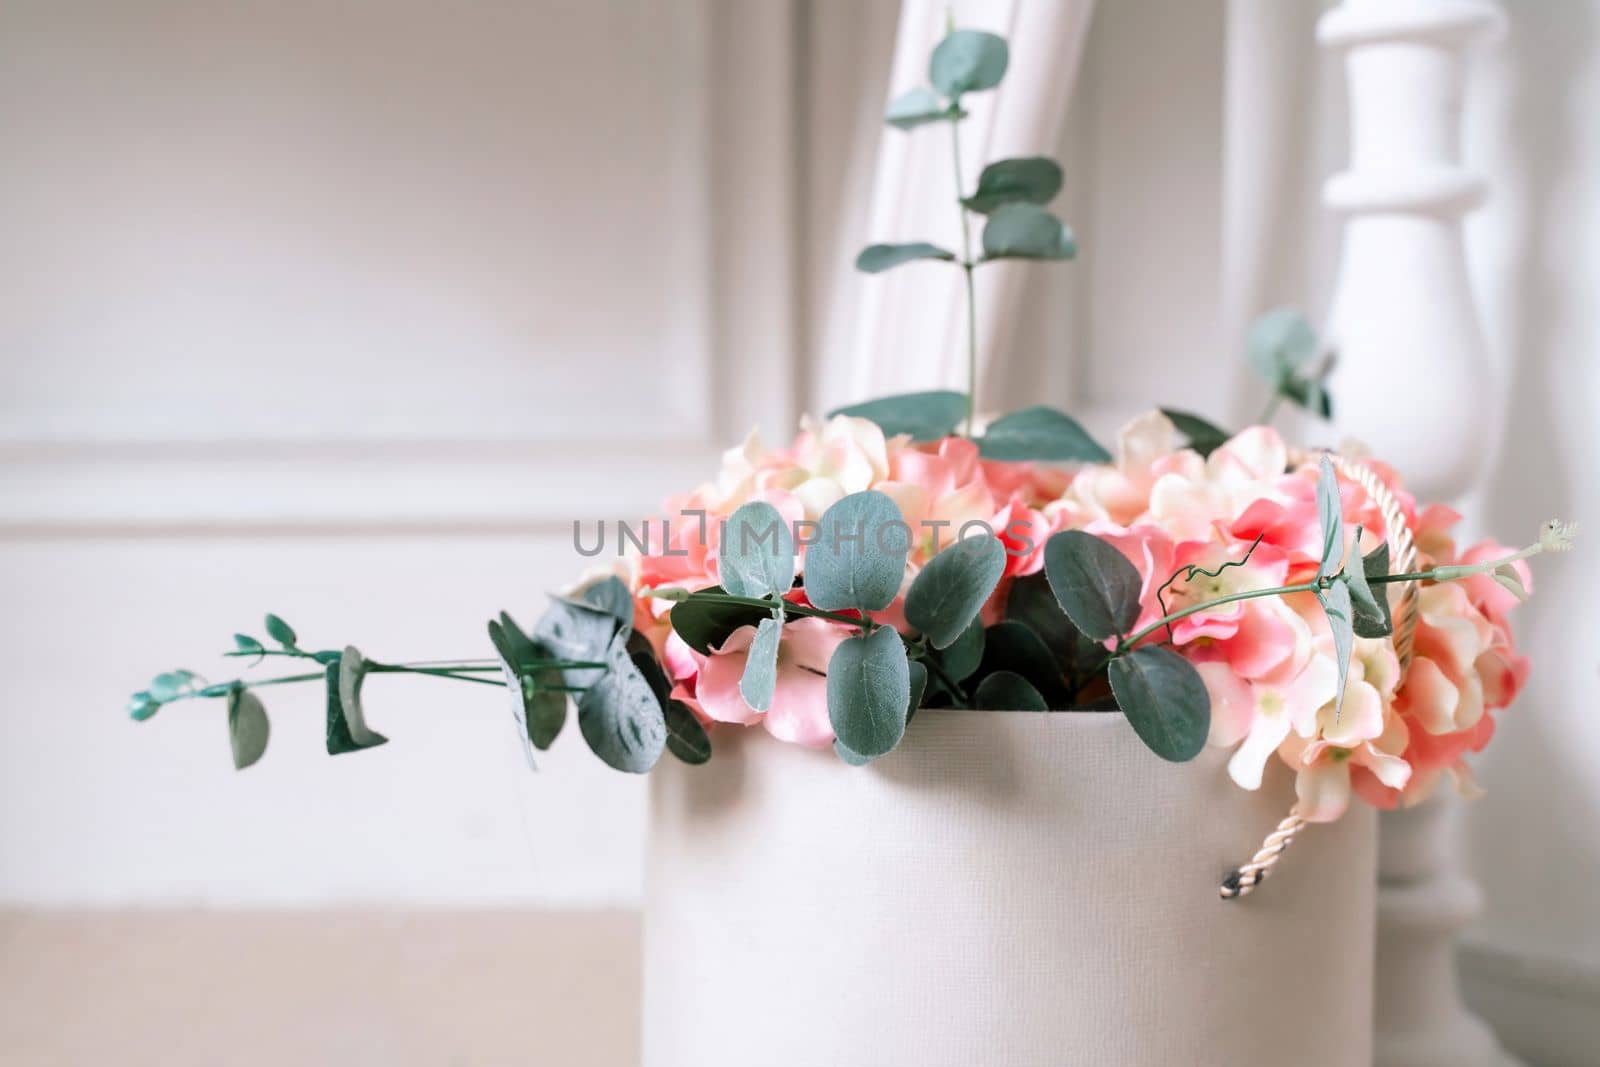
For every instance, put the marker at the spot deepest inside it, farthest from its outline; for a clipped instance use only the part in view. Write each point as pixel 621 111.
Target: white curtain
pixel 905 330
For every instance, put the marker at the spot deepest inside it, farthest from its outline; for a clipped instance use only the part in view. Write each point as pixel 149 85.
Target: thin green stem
pixel 956 692
pixel 966 267
pixel 1194 609
pixel 789 607
pixel 435 672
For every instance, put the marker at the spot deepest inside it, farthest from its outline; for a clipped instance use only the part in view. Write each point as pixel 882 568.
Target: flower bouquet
pixel 962 639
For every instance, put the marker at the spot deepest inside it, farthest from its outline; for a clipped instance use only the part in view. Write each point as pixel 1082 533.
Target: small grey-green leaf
pixel 1010 645
pixel 168 686
pixel 918 106
pixel 142 705
pixel 1031 180
pixel 1205 437
pixel 858 557
pixel 869 692
pixel 1093 582
pixel 1335 602
pixel 1330 513
pixel 1280 342
pixel 1370 607
pixel 352 672
pixel 246 643
pixel 760 676
pixel 755 555
pixel 968 61
pixel 611 596
pixel 948 593
pixel 1031 602
pixel 1026 231
pixel 1165 700
pixel 576 631
pixel 1008 691
pixel 919 683
pixel 280 631
pixel 248 728
pixel 686 737
pixel 925 416
pixel 880 257
pixel 339 738
pixel 962 656
pixel 620 716
pixel 1040 434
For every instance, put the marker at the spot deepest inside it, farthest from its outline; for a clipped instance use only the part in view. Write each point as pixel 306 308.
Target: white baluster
pixel 1413 382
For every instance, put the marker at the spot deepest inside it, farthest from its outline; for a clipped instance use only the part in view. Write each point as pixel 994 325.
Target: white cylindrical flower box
pixel 1006 889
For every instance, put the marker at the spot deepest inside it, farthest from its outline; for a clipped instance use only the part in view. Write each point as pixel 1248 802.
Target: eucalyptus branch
pixel 789 607
pixel 972 295
pixel 1206 605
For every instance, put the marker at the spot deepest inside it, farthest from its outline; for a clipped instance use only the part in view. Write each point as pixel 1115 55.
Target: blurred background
pixel 345 310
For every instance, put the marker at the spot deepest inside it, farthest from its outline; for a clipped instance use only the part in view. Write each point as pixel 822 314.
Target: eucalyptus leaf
pixel 1026 231
pixel 1165 700
pixel 704 625
pixel 248 728
pixel 1093 582
pixel 968 61
pixel 620 716
pixel 1309 393
pixel 874 259
pixel 1330 513
pixel 918 106
pixel 574 630
pixel 142 705
pixel 961 657
pixel 352 672
pixel 1031 602
pixel 1008 691
pixel 339 736
pixel 1203 436
pixel 1280 343
pixel 1011 646
pixel 686 737
pixel 1032 180
pixel 246 643
pixel 537 707
pixel 280 632
pixel 869 692
pixel 1335 602
pixel 1040 434
pixel 755 556
pixel 952 588
pixel 760 676
pixel 170 685
pixel 611 596
pixel 1370 606
pixel 919 680
pixel 925 416
pixel 858 558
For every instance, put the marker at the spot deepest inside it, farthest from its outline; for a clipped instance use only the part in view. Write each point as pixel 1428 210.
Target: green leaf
pixel 1335 602
pixel 1370 606
pixel 968 61
pixel 962 656
pixel 1008 691
pixel 611 596
pixel 248 728
pixel 620 716
pixel 1330 513
pixel 1204 437
pixel 576 631
pixel 869 692
pixel 346 728
pixel 1043 434
pixel 142 705
pixel 281 632
pixel 858 558
pixel 755 556
pixel 704 625
pixel 1032 180
pixel 248 644
pixel 925 416
pixel 537 707
pixel 760 676
pixel 1031 602
pixel 1093 582
pixel 1165 700
pixel 1026 231
pixel 948 593
pixel 918 675
pixel 686 737
pixel 170 685
pixel 875 259
pixel 918 106
pixel 1012 646
pixel 1280 343
pixel 1310 394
